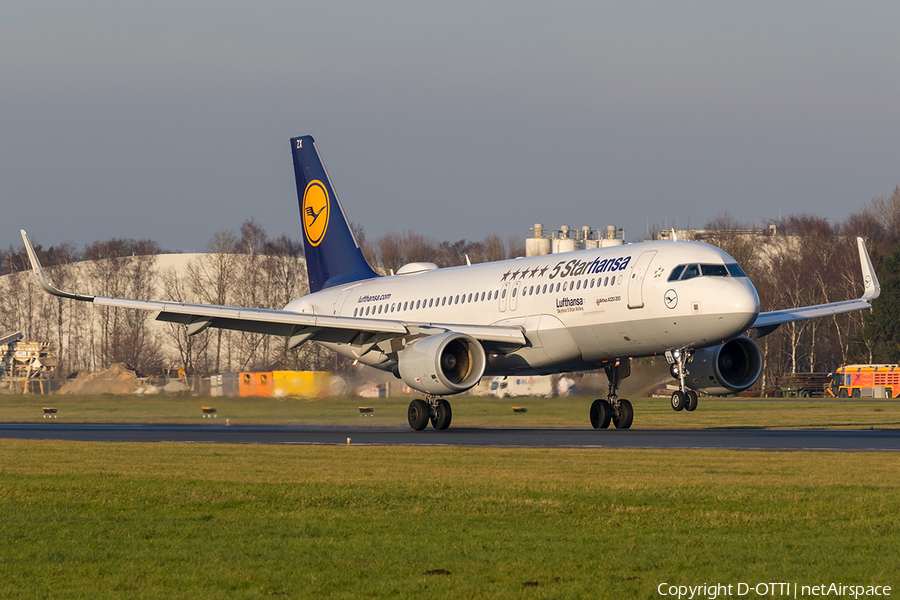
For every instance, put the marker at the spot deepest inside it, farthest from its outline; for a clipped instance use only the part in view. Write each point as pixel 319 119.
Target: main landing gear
pixel 683 399
pixel 618 411
pixel 436 410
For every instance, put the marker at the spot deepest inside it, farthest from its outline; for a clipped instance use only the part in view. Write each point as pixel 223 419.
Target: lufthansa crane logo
pixel 315 212
pixel 671 298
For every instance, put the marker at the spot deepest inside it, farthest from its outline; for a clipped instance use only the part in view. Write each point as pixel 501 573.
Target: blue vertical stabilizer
pixel 332 255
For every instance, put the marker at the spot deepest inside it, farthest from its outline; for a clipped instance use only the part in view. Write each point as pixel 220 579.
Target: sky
pixel 171 120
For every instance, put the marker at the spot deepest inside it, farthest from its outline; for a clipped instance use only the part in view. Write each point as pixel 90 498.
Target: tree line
pixel 803 260
pixel 243 268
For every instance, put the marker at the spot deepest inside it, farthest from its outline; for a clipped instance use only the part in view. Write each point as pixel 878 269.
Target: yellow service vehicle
pixel 867 381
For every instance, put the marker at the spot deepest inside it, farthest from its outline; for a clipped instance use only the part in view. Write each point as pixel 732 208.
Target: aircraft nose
pixel 738 298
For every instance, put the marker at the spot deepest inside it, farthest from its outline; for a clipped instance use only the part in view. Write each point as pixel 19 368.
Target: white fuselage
pixel 577 309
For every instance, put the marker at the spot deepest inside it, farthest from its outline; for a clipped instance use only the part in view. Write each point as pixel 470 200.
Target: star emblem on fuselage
pixel 515 274
pixel 533 272
pixel 505 275
pixel 544 270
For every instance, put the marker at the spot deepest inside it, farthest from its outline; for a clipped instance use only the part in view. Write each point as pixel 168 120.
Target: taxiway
pixel 761 439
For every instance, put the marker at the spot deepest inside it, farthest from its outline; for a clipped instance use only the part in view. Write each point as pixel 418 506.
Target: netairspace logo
pixel 772 590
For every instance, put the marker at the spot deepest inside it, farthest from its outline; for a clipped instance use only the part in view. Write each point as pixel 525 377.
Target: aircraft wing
pixel 767 322
pixel 299 327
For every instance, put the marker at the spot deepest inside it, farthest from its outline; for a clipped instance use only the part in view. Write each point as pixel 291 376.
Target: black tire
pixel 601 414
pixel 842 393
pixel 442 416
pixel 692 401
pixel 856 393
pixel 626 415
pixel 804 393
pixel 418 414
pixel 679 400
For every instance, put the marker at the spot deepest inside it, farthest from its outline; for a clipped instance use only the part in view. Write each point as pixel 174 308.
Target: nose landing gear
pixel 683 399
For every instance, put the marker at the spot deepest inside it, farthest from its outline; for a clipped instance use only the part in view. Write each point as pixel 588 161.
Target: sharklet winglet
pixel 42 277
pixel 870 280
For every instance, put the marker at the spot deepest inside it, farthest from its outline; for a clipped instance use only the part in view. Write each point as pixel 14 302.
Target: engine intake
pixel 725 369
pixel 447 363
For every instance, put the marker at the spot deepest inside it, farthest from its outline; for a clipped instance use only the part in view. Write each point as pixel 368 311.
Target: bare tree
pixel 494 248
pixel 389 252
pixel 212 277
pixel 124 268
pixel 189 347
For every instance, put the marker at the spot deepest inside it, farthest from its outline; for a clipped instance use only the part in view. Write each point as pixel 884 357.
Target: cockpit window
pixel 685 272
pixel 690 272
pixel 714 270
pixel 735 270
pixel 676 273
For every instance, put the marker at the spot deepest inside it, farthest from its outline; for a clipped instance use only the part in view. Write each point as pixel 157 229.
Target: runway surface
pixel 763 439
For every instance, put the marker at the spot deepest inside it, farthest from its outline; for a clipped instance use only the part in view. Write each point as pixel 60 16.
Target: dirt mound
pixel 117 379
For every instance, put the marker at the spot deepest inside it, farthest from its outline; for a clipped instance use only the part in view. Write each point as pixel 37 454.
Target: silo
pixel 537 245
pixel 563 243
pixel 611 239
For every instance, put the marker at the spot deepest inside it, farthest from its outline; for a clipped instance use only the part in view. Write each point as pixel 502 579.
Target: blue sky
pixel 171 120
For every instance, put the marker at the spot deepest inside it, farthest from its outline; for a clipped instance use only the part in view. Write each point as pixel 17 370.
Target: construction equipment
pixel 804 385
pixel 24 362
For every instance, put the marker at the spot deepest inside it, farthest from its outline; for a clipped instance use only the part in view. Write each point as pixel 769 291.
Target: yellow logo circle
pixel 315 212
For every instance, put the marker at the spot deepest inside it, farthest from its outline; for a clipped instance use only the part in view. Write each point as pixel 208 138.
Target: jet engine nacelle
pixel 725 369
pixel 442 364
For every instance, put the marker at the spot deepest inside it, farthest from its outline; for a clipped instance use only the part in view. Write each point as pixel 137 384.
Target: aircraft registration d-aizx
pixel 442 330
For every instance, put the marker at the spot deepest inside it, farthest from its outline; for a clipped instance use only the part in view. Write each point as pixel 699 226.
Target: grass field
pixel 105 520
pixel 108 520
pixel 467 412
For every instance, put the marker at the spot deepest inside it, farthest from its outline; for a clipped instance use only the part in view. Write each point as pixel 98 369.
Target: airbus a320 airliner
pixel 442 330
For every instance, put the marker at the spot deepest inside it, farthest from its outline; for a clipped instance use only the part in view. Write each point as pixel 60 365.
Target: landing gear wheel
pixel 601 414
pixel 442 415
pixel 692 401
pixel 418 414
pixel 624 416
pixel 679 400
